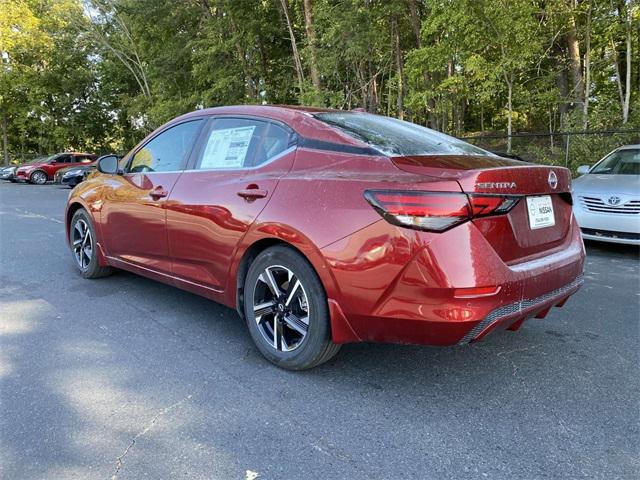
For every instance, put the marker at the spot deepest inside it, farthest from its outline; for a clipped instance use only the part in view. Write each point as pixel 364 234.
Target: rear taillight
pixel 482 205
pixel 435 211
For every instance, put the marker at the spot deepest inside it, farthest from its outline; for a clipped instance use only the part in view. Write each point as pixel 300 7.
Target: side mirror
pixel 108 164
pixel 583 169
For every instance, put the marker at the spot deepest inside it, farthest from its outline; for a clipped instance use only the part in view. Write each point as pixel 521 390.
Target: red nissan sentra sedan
pixel 324 227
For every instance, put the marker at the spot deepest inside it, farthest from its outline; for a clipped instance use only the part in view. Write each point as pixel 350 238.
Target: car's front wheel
pixel 38 177
pixel 286 310
pixel 83 241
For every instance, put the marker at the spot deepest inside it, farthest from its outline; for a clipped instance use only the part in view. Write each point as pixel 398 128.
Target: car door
pixel 230 180
pixel 81 160
pixel 133 211
pixel 61 161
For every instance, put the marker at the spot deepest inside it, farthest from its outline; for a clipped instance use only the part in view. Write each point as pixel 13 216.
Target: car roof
pixel 264 109
pixel 300 118
pixel 630 147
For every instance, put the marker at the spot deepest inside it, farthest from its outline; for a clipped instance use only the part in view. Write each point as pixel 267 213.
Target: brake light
pixel 482 205
pixel 475 292
pixel 435 211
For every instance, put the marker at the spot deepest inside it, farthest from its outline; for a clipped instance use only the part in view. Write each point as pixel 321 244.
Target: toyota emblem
pixel 553 179
pixel 613 200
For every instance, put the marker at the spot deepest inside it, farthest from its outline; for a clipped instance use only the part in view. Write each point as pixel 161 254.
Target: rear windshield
pixel 394 137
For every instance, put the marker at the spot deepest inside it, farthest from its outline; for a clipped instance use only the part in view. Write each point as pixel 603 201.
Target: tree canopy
pixel 100 74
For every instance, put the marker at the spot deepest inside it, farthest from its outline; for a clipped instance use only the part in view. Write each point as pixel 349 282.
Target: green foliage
pixel 100 74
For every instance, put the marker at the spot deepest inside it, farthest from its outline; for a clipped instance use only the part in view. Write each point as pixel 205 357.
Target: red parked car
pixel 324 227
pixel 40 172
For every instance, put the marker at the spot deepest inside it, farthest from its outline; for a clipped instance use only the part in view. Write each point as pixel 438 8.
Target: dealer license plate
pixel 540 212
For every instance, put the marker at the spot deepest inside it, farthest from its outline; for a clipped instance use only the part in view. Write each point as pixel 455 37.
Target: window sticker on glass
pixel 227 148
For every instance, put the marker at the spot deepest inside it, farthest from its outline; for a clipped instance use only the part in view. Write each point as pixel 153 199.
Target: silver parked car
pixel 607 197
pixel 8 173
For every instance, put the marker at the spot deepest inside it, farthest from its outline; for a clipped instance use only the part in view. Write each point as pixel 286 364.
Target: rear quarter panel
pixel 321 201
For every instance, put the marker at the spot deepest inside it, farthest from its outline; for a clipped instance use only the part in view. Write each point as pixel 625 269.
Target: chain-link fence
pixel 570 149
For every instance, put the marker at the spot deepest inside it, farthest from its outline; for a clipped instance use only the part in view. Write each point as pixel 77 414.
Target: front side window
pixel 622 162
pixel 166 151
pixel 394 137
pixel 63 159
pixel 234 143
pixel 40 160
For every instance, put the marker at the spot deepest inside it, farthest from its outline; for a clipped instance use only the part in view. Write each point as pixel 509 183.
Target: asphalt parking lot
pixel 127 378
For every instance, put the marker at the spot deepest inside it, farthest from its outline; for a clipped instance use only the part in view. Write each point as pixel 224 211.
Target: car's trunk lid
pixel 511 235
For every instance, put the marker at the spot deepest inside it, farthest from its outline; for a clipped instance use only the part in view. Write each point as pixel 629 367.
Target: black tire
pixel 316 346
pixel 87 264
pixel 38 177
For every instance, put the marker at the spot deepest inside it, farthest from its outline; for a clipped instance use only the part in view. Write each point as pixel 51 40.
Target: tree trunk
pixel 414 16
pixel 573 47
pixel 389 95
pixel 5 139
pixel 311 37
pixel 551 145
pixel 627 93
pixel 563 87
pixel 373 97
pixel 616 65
pixel 399 66
pixel 249 84
pixel 587 70
pixel 432 119
pixel 265 70
pixel 460 111
pixel 509 80
pixel 445 114
pixel 294 47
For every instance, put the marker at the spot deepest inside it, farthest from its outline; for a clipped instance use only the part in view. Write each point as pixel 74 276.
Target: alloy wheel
pixel 82 244
pixel 39 178
pixel 281 308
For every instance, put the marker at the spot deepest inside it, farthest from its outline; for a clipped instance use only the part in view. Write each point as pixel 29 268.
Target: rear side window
pixel 234 143
pixel 166 151
pixel 394 137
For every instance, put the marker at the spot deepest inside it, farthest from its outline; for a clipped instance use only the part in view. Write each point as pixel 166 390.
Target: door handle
pixel 158 193
pixel 252 193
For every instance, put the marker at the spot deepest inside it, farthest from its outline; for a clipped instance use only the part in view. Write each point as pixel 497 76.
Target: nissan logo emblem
pixel 553 179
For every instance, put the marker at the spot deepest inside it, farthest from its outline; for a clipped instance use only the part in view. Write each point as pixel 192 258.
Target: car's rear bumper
pixel 418 293
pixel 514 314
